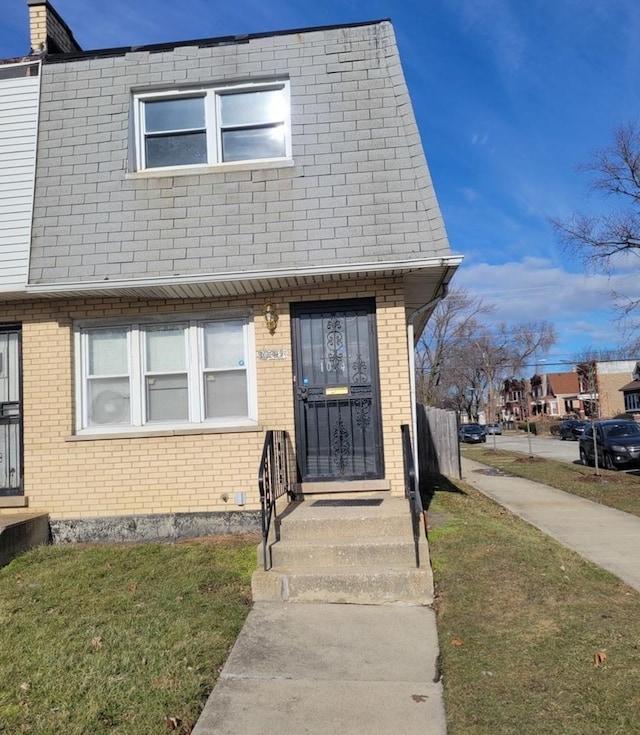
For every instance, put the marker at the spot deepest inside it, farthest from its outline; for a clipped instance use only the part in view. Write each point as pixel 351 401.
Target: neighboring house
pixel 513 400
pixel 631 392
pixel 19 85
pixel 607 377
pixel 229 235
pixel 556 394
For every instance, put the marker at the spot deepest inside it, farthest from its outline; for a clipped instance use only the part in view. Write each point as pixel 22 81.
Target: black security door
pixel 10 412
pixel 338 425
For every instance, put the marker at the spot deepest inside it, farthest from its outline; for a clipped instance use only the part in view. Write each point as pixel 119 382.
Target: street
pixel 547 446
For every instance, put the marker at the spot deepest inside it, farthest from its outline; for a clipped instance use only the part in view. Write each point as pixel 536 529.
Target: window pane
pixel 226 394
pixel 224 345
pixel 243 145
pixel 108 352
pixel 167 398
pixel 165 349
pixel 109 401
pixel 176 150
pixel 250 108
pixel 182 114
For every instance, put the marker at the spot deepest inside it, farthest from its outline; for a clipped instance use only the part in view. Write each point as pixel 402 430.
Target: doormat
pixel 347 502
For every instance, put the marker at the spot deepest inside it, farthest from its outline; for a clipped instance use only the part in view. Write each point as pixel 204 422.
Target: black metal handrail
pixel 411 490
pixel 273 481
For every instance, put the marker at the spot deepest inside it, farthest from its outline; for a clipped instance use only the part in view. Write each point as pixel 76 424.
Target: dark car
pixel 573 429
pixel 472 433
pixel 617 441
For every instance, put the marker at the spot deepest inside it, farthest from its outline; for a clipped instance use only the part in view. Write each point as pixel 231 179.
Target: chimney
pixel 49 33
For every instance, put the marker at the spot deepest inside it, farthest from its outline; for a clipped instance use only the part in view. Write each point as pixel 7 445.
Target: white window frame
pixel 632 402
pixel 136 366
pixel 211 96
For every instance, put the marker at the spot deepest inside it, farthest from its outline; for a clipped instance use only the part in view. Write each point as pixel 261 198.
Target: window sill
pixel 153 433
pixel 213 169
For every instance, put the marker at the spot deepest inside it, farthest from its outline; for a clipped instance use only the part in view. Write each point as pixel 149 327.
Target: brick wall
pixel 610 397
pixel 189 473
pixel 48 30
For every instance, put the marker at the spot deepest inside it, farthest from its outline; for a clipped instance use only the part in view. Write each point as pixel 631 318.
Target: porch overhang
pixel 424 280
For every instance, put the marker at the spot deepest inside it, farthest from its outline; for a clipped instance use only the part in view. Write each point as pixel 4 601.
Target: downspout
pixel 444 289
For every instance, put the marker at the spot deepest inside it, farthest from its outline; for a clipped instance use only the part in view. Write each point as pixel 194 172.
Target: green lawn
pixel 534 639
pixel 118 638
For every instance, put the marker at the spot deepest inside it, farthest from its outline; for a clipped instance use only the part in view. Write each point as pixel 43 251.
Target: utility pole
pixel 595 408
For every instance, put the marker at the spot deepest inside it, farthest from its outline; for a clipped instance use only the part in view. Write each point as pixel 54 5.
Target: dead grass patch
pixel 534 639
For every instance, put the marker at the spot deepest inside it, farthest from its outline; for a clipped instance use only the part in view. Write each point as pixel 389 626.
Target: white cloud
pixel 580 306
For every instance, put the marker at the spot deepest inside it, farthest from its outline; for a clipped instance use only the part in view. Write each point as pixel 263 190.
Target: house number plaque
pixel 277 354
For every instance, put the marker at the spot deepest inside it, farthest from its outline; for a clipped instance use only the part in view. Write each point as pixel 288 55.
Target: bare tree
pixel 601 240
pixel 453 324
pixel 505 351
pixel 462 360
pixel 602 354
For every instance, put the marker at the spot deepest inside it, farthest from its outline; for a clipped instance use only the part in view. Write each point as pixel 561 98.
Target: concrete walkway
pixel 319 669
pixel 605 536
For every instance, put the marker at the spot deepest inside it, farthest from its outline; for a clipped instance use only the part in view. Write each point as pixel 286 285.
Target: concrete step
pixel 344 529
pixel 347 520
pixel 377 552
pixel 20 532
pixel 345 550
pixel 356 585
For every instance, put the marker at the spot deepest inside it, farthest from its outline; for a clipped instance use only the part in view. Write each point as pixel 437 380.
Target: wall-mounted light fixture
pixel 270 313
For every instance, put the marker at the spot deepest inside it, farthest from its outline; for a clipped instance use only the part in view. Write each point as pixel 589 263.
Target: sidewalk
pixel 320 669
pixel 605 536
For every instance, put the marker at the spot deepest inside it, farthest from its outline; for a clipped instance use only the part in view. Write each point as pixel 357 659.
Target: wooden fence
pixel 438 448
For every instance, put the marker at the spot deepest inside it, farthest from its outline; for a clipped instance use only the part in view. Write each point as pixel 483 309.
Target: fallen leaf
pixel 418 698
pixel 96 641
pixel 179 598
pixel 106 719
pixel 25 686
pixel 457 642
pixel 132 587
pixel 599 657
pixel 172 723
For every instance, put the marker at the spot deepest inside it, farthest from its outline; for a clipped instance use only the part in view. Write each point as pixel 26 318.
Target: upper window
pixel 156 374
pixel 212 126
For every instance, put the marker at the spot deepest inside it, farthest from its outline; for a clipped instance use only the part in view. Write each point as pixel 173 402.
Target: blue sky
pixel 510 97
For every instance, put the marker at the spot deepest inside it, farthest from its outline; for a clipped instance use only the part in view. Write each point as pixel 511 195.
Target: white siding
pixel 18 132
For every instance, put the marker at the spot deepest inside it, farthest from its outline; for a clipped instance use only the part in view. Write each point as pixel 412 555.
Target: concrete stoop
pixel 20 532
pixel 345 551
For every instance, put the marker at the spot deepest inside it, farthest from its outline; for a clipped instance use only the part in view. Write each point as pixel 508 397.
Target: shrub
pixel 522 426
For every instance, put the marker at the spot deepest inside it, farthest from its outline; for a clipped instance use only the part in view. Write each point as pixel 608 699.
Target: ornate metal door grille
pixel 336 390
pixel 10 412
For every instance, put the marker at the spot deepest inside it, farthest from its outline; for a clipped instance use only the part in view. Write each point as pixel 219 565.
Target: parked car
pixel 472 433
pixel 617 442
pixel 573 429
pixel 493 429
